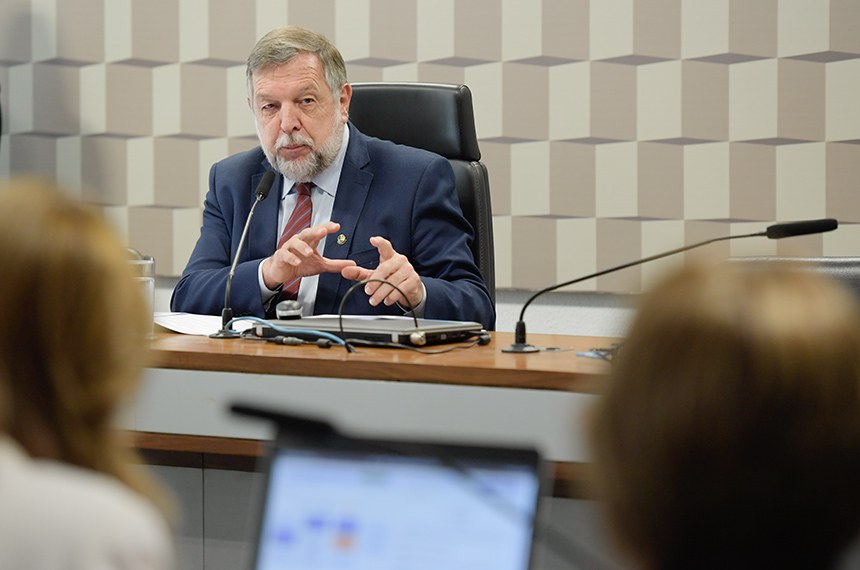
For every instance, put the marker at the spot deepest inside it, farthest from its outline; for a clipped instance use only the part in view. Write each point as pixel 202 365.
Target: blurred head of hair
pixel 729 436
pixel 74 336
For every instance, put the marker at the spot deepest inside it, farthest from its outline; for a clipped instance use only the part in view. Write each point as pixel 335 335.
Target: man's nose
pixel 289 119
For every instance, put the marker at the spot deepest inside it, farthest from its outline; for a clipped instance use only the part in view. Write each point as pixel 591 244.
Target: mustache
pixel 292 139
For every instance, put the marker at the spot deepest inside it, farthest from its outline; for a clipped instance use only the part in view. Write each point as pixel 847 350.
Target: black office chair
pixel 844 269
pixel 438 118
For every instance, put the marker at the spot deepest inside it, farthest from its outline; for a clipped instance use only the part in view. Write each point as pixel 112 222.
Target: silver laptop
pixel 340 502
pixel 378 328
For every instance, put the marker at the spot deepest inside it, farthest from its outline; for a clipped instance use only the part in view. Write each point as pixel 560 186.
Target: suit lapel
pixel 262 238
pixel 355 178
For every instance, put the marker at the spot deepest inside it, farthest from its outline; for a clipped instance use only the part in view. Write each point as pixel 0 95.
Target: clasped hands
pixel 298 257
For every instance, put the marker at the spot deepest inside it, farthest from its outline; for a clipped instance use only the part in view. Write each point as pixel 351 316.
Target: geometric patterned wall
pixel 612 129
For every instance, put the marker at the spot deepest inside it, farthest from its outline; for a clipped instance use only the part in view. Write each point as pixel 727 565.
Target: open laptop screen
pixel 419 507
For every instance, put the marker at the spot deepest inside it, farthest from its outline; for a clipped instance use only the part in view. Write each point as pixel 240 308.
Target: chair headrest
pixel 433 116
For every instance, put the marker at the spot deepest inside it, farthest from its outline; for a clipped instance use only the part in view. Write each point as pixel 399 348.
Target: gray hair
pixel 281 45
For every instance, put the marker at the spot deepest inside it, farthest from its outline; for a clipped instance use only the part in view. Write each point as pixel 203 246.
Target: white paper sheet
pixel 188 323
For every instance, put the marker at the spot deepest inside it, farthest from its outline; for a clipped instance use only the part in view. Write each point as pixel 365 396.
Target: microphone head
pixel 288 309
pixel 265 185
pixel 790 229
pixel 305 427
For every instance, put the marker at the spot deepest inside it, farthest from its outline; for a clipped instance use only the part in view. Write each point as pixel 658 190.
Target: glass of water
pixel 143 269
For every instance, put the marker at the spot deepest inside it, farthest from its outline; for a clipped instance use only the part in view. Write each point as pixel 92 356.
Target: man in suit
pixel 378 210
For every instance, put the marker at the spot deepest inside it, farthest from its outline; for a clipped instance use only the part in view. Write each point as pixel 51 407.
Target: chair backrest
pixel 844 269
pixel 438 118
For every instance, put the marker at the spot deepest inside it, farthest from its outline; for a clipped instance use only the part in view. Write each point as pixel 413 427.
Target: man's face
pixel 299 121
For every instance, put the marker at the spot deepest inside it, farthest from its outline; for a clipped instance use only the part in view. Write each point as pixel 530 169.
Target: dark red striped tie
pixel 299 220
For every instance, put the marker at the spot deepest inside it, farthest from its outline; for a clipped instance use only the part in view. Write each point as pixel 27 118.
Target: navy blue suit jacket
pixel 403 194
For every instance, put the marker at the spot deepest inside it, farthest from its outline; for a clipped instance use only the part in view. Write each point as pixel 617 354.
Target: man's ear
pixel 345 98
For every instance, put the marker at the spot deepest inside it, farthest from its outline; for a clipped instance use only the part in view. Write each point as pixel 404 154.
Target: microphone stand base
pixel 521 348
pixel 225 333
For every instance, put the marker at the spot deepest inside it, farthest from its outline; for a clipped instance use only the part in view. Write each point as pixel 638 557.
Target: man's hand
pixel 393 267
pixel 298 257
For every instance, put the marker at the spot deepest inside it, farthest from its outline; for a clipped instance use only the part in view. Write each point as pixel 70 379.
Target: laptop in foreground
pixel 342 502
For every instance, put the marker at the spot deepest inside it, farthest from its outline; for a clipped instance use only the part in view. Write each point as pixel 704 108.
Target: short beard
pixel 304 169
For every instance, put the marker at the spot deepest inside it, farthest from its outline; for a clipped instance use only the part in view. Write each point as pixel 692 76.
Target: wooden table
pixel 477 366
pixel 481 374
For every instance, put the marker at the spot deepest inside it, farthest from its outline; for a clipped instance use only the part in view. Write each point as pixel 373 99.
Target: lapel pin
pixel 341 239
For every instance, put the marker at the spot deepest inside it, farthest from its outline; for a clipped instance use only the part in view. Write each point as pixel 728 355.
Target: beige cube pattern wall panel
pixel 612 129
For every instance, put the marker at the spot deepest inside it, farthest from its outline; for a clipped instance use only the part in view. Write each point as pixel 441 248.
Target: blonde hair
pixel 730 433
pixel 74 336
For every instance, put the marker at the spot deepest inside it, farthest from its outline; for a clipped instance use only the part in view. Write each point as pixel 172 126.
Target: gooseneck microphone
pixel 775 231
pixel 791 229
pixel 261 192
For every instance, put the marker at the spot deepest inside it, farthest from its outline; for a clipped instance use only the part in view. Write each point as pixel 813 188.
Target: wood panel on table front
pixel 567 479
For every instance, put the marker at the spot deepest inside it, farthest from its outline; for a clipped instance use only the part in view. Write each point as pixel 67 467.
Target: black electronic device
pixel 336 501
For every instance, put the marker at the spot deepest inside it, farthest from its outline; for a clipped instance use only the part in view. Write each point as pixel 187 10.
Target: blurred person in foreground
pixel 345 207
pixel 72 347
pixel 730 433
